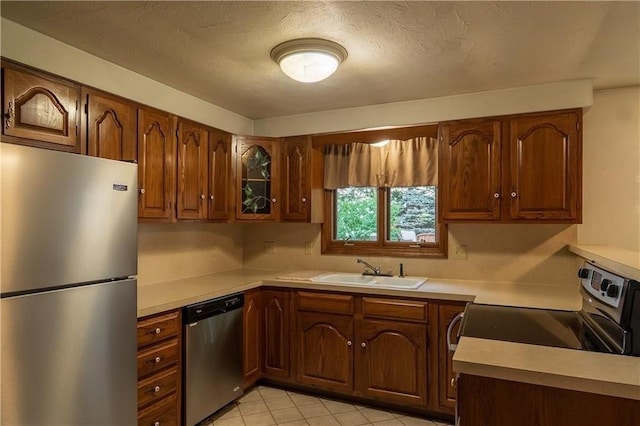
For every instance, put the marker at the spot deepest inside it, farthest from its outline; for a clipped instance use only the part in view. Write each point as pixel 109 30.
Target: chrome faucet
pixel 372 270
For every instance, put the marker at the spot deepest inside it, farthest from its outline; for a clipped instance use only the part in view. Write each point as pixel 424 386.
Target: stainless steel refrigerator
pixel 68 291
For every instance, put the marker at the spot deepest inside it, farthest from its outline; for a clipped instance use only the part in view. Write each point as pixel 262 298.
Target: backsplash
pixel 171 252
pixel 507 252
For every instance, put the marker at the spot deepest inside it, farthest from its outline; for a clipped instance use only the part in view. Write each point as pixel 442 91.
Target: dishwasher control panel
pixel 213 307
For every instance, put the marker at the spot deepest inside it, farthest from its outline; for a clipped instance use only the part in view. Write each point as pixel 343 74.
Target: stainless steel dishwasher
pixel 213 356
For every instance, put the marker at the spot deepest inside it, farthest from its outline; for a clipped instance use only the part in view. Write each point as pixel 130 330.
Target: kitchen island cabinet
pixel 489 401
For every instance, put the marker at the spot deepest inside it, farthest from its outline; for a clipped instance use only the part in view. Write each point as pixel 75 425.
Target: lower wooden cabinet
pixel 159 369
pixel 252 337
pixel 325 351
pixel 487 401
pixel 382 349
pixel 446 388
pixel 391 361
pixel 276 327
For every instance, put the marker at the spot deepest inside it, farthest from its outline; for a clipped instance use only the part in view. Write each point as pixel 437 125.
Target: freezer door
pixel 69 356
pixel 66 218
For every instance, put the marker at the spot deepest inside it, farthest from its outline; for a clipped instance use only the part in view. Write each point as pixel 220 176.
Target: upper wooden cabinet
pixel 296 179
pixel 39 110
pixel 512 169
pixel 109 127
pixel 221 176
pixel 193 170
pixel 470 170
pixel 545 167
pixel 258 180
pixel 156 166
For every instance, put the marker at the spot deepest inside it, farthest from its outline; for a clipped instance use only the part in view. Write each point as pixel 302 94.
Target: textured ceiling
pixel 219 51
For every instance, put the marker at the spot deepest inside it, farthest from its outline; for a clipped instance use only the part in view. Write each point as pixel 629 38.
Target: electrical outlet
pixel 460 252
pixel 214 250
pixel 308 248
pixel 270 247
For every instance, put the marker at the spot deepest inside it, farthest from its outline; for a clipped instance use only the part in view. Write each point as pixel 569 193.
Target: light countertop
pixel 625 262
pixel 615 375
pixel 605 374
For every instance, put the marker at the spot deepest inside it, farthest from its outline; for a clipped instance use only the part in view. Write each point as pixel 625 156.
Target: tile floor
pixel 263 406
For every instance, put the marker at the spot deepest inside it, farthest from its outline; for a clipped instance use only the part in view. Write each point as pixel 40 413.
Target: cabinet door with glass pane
pixel 257 177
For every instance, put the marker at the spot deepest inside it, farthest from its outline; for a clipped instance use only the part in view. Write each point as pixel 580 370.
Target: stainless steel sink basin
pixel 369 280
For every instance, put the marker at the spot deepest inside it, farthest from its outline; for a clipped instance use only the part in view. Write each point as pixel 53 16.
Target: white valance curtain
pixel 413 162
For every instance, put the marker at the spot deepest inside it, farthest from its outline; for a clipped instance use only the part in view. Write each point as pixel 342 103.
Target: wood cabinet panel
pixel 157 357
pixel 156 166
pixel 157 386
pixel 110 126
pixel 276 322
pixel 161 413
pixel 221 176
pixel 158 328
pixel 486 401
pixel 325 302
pixel 545 165
pixel 446 388
pixel 296 179
pixel 391 361
pixel 257 168
pixel 193 170
pixel 325 351
pixel 40 111
pixel 470 178
pixel 394 309
pixel 252 337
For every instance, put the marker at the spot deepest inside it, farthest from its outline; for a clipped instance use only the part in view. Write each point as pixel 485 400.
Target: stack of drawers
pixel 159 363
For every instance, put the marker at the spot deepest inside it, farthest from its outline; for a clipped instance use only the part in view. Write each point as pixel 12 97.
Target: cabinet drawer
pixel 162 413
pixel 158 328
pixel 325 302
pixel 157 357
pixel 157 386
pixel 394 309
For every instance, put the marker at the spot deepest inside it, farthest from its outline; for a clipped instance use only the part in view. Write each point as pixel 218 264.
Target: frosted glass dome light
pixel 308 60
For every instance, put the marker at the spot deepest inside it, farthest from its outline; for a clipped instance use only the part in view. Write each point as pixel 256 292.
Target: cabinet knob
pixel 304 199
pixel 496 195
pixel 363 344
pixel 211 197
pixel 202 197
pixel 453 382
pixel 156 389
pixel 157 359
pixel 273 200
pixel 349 343
pixel 156 424
pixel 10 114
pixel 142 190
pixel 513 194
pixel 155 331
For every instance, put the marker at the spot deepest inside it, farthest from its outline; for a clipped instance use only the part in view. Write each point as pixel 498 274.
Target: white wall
pixel 32 48
pixel 611 162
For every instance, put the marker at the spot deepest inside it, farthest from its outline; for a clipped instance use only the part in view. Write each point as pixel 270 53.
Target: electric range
pixel 609 320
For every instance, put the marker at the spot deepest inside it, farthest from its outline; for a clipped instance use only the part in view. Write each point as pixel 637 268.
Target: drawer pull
pixel 363 344
pixel 349 343
pixel 156 424
pixel 155 360
pixel 156 389
pixel 155 331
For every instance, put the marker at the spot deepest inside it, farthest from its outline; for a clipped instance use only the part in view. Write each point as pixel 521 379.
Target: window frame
pixel 380 247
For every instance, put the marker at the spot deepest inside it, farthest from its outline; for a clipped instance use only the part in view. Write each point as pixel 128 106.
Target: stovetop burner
pixel 543 327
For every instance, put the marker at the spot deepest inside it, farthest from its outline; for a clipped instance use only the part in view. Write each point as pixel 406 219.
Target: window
pixel 382 201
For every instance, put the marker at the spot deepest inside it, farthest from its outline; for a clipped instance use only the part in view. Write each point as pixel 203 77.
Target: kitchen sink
pixel 369 281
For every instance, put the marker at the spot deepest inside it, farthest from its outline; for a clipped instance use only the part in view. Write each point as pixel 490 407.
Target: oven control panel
pixel 603 285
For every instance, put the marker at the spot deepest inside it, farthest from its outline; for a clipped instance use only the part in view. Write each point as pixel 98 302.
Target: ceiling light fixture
pixel 308 60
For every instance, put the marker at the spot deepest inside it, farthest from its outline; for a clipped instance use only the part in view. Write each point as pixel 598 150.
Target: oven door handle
pixel 452 347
